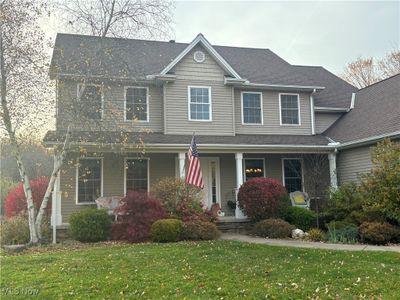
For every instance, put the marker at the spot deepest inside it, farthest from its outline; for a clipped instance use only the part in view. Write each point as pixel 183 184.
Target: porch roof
pixel 168 140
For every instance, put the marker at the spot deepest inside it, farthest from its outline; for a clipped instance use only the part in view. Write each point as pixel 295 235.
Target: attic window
pixel 199 56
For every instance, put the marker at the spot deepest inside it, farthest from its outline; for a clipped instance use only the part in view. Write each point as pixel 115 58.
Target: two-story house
pixel 253 113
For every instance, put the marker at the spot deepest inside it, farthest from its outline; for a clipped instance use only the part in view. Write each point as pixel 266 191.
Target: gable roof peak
pixel 210 49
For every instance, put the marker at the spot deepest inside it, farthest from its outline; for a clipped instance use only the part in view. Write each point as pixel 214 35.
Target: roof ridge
pixel 380 81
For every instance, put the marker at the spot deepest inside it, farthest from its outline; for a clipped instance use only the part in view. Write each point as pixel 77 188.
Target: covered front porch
pixel 114 172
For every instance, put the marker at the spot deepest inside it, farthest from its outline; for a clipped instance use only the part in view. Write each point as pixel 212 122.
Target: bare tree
pixel 366 71
pixel 390 64
pixel 361 72
pixel 118 18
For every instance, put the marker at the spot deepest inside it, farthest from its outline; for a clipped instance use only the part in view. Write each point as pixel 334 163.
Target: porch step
pixel 232 225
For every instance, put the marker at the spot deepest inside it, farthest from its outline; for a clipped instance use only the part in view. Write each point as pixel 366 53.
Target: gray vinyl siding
pixel 160 165
pixel 353 162
pixel 324 120
pixel 113 105
pixel 209 74
pixel 271 115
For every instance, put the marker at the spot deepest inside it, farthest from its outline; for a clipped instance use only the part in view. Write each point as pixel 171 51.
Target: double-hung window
pixel 91 100
pixel 199 103
pixel 252 108
pixel 293 174
pixel 290 109
pixel 89 179
pixel 136 104
pixel 136 175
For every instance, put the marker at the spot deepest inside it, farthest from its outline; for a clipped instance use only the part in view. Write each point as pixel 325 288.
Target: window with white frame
pixel 89 179
pixel 293 174
pixel 200 103
pixel 136 103
pixel 290 110
pixel 91 100
pixel 136 175
pixel 253 168
pixel 252 108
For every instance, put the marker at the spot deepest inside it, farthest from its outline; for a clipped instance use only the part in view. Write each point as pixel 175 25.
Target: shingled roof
pixel 99 137
pixel 76 55
pixel 376 112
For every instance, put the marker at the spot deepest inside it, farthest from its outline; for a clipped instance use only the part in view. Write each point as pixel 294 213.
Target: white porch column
pixel 239 181
pixel 56 218
pixel 332 170
pixel 181 157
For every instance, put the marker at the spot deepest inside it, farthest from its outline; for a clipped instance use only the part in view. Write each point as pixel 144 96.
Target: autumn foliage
pixel 138 211
pixel 15 202
pixel 261 198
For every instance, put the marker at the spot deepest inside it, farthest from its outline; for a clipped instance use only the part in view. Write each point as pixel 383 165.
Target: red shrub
pixel 15 202
pixel 261 198
pixel 138 212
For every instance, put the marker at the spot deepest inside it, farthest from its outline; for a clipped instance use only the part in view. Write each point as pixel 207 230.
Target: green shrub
pixel 166 230
pixel 300 217
pixel 6 185
pixel 378 233
pixel 90 225
pixel 380 187
pixel 342 232
pixel 316 235
pixel 14 231
pixel 273 228
pixel 200 231
pixel 344 201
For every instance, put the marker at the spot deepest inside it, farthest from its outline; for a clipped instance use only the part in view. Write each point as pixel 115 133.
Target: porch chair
pixel 300 199
pixel 110 204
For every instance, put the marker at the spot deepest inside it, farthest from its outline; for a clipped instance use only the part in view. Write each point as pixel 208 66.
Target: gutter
pixel 331 109
pixel 246 83
pixel 368 140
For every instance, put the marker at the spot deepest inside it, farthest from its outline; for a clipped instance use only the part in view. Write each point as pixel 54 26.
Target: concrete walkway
pixel 304 244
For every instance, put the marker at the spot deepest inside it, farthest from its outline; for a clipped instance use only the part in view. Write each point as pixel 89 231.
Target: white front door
pixel 211 179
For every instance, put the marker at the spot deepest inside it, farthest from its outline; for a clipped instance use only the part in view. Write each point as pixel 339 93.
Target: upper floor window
pixel 91 99
pixel 290 109
pixel 293 174
pixel 252 108
pixel 199 103
pixel 89 179
pixel 136 104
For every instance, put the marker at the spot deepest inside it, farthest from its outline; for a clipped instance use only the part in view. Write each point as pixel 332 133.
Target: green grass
pixel 205 270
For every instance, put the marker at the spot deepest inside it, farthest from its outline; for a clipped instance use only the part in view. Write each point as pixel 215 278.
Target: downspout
pixel 312 112
pixel 353 101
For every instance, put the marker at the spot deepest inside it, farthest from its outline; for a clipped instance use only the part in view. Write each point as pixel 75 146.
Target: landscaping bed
pixel 205 270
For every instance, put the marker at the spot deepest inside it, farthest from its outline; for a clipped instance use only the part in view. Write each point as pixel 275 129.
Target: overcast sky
pixel 329 34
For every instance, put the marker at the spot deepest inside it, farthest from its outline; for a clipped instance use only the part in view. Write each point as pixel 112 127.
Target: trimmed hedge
pixel 200 231
pixel 273 228
pixel 90 225
pixel 300 217
pixel 166 230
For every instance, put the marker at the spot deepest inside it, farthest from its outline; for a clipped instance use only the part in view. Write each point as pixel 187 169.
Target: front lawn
pixel 208 270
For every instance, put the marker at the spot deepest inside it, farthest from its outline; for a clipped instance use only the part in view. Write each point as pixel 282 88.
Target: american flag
pixel 194 175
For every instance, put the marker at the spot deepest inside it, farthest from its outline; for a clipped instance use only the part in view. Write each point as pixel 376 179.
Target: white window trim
pixel 280 109
pixel 147 103
pixel 261 106
pixel 102 95
pixel 77 180
pixel 252 158
pixel 302 170
pixel 210 104
pixel 148 171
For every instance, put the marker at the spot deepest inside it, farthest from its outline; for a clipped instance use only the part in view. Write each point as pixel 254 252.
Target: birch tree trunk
pixel 15 149
pixel 58 162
